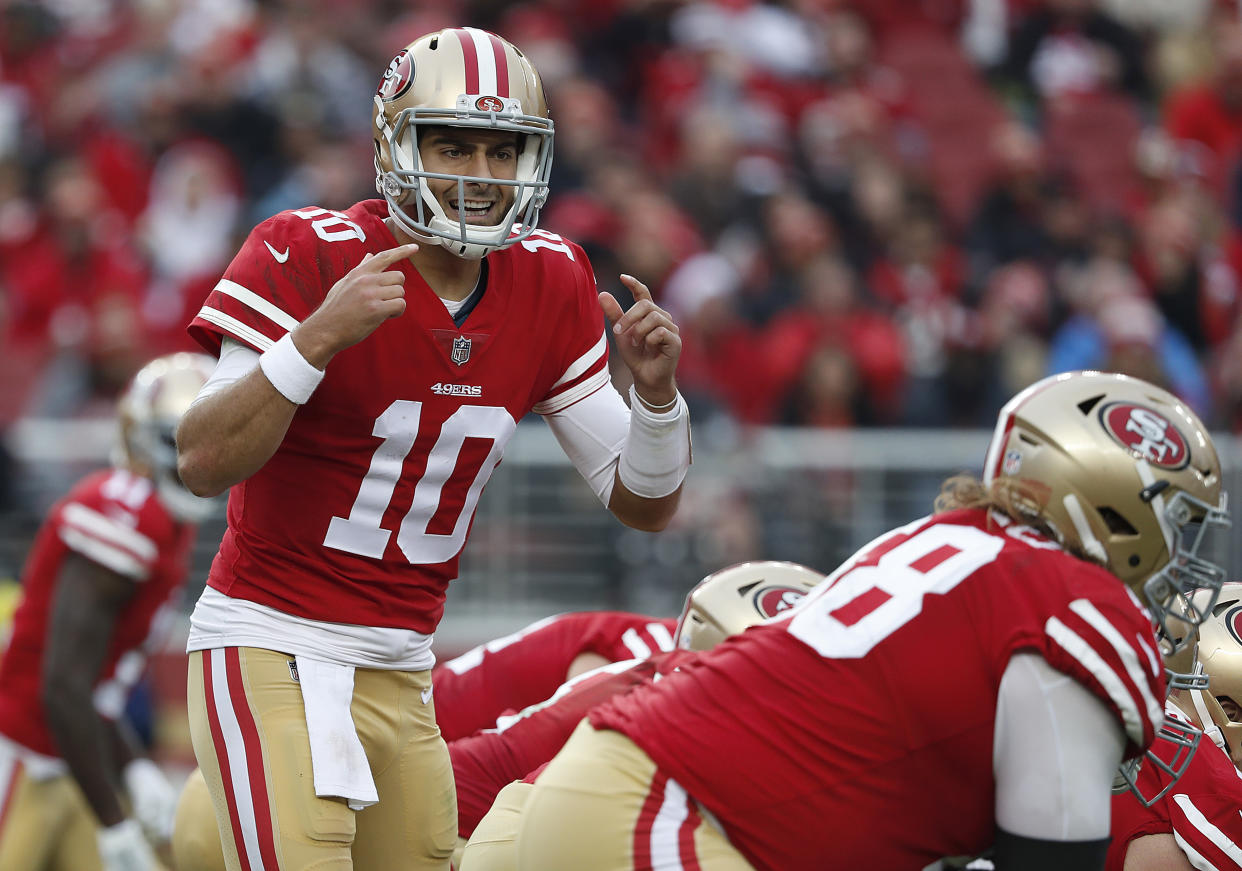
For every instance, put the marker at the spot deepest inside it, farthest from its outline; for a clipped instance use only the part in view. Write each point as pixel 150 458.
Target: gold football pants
pixel 602 804
pixel 248 726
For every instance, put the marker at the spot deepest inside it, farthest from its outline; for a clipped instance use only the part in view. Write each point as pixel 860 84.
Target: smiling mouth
pixel 472 210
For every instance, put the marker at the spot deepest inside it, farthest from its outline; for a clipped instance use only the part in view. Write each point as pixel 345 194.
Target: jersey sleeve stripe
pixel 101 526
pixel 236 328
pixel 584 363
pixel 562 401
pixel 1127 654
pixel 107 556
pixel 661 636
pixel 1194 856
pixel 252 300
pixel 1205 827
pixel 1074 645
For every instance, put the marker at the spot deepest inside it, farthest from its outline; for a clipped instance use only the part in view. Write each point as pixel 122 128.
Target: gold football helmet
pixel 460 77
pixel 149 412
pixel 1125 475
pixel 726 602
pixel 1218 658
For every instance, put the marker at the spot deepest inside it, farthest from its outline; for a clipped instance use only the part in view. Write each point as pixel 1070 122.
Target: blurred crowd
pixel 880 213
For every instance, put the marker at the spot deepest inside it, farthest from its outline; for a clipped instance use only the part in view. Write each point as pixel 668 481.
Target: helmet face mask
pixel 473 80
pixel 1216 671
pixel 1187 586
pixel 726 602
pixel 150 409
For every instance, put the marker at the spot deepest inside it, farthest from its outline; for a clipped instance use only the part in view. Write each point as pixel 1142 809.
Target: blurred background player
pixel 361 419
pixel 493 759
pixel 74 794
pixel 848 733
pixel 509 673
pixel 1197 824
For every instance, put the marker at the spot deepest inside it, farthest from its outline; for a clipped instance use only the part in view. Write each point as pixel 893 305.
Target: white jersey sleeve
pixel 1056 749
pixel 235 363
pixel 592 432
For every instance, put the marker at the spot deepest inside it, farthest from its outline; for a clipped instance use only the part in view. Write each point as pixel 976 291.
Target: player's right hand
pixel 124 848
pixel 357 304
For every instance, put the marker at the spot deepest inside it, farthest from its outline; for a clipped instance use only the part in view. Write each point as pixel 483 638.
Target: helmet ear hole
pixel 1087 404
pixel 1117 525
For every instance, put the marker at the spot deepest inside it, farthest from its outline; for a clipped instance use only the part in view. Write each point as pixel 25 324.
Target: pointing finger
pixel 384 259
pixel 637 288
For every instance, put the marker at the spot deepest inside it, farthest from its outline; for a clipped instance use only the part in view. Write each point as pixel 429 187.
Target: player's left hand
pixel 647 339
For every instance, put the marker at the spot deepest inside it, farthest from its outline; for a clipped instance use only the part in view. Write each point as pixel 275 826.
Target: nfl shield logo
pixel 461 350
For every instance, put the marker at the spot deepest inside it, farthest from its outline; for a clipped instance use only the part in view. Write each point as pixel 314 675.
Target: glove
pixel 152 797
pixel 123 847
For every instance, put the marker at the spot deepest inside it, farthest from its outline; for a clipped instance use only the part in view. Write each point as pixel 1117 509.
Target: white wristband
pixel 290 372
pixel 656 455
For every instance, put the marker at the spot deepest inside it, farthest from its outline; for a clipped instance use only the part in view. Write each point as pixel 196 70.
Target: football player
pixel 492 761
pixel 373 364
pixel 509 673
pixel 492 768
pixel 74 793
pixel 1198 824
pixel 971 679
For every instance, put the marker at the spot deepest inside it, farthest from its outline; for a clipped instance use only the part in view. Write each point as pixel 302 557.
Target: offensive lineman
pixel 373 364
pixel 971 679
pixel 527 666
pixel 1197 824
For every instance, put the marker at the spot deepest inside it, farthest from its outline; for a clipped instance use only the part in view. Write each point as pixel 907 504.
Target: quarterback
pixel 373 364
pixel 494 760
pixel 970 680
pixel 95 593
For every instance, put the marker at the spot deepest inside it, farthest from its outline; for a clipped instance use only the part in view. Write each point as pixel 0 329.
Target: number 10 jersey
pixel 362 513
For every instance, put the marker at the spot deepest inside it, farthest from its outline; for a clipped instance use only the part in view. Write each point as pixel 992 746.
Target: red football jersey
pixel 115 519
pixel 361 514
pixel 509 673
pixel 486 762
pixel 857 731
pixel 1203 810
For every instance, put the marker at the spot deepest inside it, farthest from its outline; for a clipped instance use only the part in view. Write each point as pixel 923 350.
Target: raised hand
pixel 357 304
pixel 648 341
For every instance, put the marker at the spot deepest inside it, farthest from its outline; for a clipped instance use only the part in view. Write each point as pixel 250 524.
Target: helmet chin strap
pixel 438 220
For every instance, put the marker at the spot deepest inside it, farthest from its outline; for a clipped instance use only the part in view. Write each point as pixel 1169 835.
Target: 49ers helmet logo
pixel 1147 433
pixel 770 601
pixel 489 104
pixel 1233 622
pixel 397 78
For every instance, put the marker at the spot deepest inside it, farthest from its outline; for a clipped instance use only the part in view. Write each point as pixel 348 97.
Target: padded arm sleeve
pixel 235 363
pixel 592 432
pixel 1056 750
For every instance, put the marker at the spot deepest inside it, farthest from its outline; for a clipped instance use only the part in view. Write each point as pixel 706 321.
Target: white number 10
pixel 361 532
